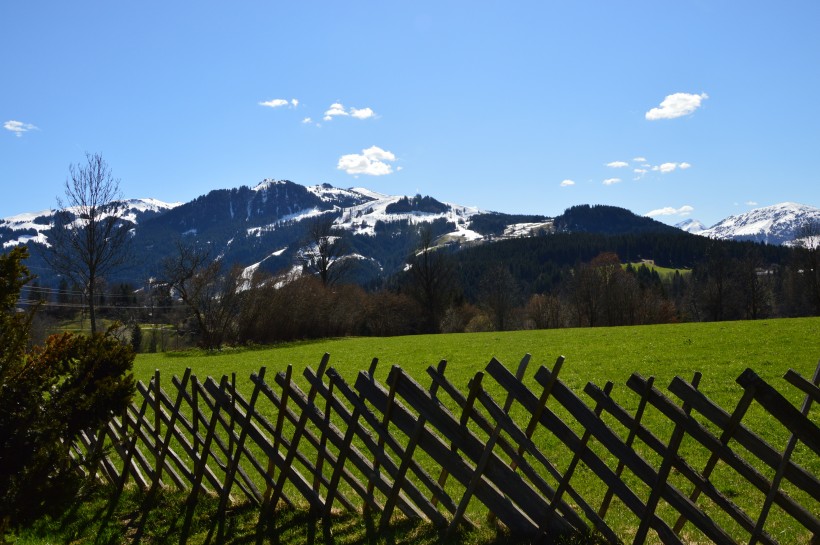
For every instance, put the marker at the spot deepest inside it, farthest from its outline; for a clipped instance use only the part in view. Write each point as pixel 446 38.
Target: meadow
pixel 720 351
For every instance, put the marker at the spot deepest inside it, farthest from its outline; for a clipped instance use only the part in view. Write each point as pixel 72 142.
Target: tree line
pixel 441 289
pixel 561 279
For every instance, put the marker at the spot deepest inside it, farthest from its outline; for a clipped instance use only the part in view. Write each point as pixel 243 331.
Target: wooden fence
pixel 542 461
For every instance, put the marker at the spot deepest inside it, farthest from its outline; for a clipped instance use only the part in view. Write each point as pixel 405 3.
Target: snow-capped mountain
pixel 691 226
pixel 266 227
pixel 33 227
pixel 776 224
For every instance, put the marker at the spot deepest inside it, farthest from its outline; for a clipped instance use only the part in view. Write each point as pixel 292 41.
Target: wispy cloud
pixel 372 161
pixel 612 181
pixel 683 211
pixel 751 203
pixel 280 102
pixel 639 160
pixel 18 127
pixel 567 183
pixel 338 110
pixel 617 164
pixel 663 168
pixel 676 105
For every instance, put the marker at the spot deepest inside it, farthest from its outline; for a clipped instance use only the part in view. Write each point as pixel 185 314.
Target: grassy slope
pixel 721 351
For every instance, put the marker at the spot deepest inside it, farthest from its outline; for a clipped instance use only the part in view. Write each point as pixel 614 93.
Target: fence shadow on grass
pixel 545 463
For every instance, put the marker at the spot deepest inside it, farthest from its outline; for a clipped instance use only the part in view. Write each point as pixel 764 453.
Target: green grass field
pixel 664 272
pixel 721 351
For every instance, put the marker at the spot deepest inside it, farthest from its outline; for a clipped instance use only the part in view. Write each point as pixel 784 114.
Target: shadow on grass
pixel 167 517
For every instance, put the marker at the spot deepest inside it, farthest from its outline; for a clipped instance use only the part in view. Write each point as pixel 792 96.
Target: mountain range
pixel 777 224
pixel 266 226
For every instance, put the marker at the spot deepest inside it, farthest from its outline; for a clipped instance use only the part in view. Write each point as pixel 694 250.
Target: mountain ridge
pixel 776 224
pixel 265 226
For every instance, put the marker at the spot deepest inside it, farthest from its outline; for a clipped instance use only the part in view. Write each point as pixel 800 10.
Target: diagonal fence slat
pixel 439 451
pixel 721 451
pixel 370 425
pixel 702 484
pixel 360 447
pixel 743 436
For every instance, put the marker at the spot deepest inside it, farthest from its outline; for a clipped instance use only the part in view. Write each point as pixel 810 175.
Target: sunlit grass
pixel 721 351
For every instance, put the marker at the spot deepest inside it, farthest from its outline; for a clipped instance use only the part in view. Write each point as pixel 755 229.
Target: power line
pixel 39 302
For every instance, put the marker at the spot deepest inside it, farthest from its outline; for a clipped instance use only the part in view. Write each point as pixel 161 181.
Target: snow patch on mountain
pixel 369 193
pixel 361 219
pixel 776 224
pixel 26 220
pixel 136 207
pixel 518 230
pixel 328 193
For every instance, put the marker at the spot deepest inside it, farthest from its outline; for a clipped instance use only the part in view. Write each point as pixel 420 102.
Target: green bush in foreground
pixel 48 396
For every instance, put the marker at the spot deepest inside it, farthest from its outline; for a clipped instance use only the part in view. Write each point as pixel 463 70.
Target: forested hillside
pixel 281 261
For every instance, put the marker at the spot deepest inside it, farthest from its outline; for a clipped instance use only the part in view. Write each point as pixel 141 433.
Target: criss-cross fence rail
pixel 540 459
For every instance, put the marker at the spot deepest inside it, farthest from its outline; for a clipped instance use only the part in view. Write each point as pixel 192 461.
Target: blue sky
pixel 696 109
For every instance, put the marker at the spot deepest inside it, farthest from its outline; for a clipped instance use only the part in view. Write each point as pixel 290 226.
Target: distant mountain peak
pixel 267 183
pixel 691 225
pixel 775 224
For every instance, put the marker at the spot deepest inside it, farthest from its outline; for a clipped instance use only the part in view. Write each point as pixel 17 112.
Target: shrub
pixel 49 395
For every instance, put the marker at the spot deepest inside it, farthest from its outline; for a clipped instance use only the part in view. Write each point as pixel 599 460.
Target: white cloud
pixel 639 159
pixel 617 164
pixel 684 210
pixel 307 120
pixel 666 168
pixel 676 105
pixel 640 171
pixel 567 183
pixel 373 161
pixel 612 181
pixel 751 203
pixel 337 109
pixel 294 102
pixel 18 127
pixel 363 113
pixel 279 102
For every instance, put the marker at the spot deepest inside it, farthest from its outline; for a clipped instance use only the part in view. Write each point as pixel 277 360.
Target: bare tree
pixel 324 254
pixel 212 296
pixel 89 238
